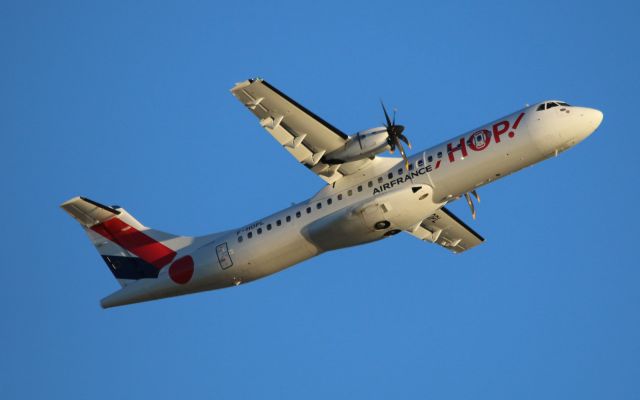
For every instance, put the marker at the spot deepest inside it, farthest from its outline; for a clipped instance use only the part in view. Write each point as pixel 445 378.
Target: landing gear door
pixel 222 251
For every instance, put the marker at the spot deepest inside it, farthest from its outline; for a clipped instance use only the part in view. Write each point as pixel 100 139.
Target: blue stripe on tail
pixel 130 267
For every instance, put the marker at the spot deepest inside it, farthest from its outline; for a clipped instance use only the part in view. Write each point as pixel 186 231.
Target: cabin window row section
pixel 430 158
pixel 339 197
pixel 288 217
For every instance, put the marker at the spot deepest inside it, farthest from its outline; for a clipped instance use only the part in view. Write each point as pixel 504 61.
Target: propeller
pixel 395 135
pixel 471 206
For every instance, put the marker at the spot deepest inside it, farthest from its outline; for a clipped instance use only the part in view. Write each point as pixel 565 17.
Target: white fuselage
pixel 345 214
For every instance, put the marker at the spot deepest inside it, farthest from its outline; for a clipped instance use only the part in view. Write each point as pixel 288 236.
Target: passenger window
pixel 329 201
pixel 250 235
pixel 288 218
pixel 430 158
pixel 340 197
pixel 278 222
pixel 410 167
pixel 319 206
pixel 240 238
pixel 439 154
pixel 349 192
pixel 308 210
pixel 259 231
pixel 400 171
pixel 370 184
pixel 380 179
pixel 298 214
pixel 359 188
pixel 420 163
pixel 268 227
pixel 390 176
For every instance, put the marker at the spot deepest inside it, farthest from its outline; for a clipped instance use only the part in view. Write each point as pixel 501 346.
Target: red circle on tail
pixel 181 270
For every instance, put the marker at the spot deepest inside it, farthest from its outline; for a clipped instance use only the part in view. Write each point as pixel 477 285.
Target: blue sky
pixel 129 104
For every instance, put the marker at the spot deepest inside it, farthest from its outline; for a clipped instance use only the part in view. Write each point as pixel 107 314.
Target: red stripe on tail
pixel 136 242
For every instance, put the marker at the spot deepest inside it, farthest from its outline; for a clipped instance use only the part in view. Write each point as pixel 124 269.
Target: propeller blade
pixel 475 194
pixel 404 156
pixel 394 115
pixel 473 209
pixel 391 143
pixel 404 139
pixel 386 115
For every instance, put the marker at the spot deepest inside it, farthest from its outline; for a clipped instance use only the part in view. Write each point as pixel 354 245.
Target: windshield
pixel 551 104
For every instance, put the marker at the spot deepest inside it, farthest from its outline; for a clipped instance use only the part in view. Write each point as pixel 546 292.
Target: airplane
pixel 366 197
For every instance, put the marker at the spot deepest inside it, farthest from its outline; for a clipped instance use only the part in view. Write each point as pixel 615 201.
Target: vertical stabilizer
pixel 131 250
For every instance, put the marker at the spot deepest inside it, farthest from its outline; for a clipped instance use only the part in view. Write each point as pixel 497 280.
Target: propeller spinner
pixel 395 135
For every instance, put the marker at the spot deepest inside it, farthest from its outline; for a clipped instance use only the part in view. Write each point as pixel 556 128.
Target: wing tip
pixel 245 83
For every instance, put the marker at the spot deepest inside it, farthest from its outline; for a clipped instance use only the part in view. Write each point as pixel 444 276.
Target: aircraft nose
pixel 595 117
pixel 590 121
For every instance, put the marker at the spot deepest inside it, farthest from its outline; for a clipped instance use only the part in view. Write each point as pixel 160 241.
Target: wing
pixel 447 230
pixel 302 133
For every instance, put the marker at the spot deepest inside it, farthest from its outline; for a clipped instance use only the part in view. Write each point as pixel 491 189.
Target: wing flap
pixel 298 149
pixel 447 230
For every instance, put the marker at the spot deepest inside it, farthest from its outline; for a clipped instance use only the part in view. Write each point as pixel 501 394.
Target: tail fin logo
pixel 131 250
pixel 135 242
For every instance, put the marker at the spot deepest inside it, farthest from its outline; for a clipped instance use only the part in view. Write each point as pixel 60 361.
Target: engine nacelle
pixel 361 145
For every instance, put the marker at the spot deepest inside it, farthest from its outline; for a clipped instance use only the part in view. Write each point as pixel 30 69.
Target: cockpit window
pixel 546 106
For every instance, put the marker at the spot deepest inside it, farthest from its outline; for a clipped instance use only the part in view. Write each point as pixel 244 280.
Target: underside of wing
pixel 303 134
pixel 447 230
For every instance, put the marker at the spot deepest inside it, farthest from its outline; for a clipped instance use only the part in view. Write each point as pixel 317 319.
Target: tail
pixel 130 250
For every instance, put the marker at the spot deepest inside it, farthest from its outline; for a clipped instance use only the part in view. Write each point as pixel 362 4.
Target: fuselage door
pixel 224 258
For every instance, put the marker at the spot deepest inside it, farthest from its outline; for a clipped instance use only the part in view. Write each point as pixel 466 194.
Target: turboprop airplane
pixel 366 197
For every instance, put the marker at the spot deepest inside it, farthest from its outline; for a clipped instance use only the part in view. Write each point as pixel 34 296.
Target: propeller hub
pixel 396 130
